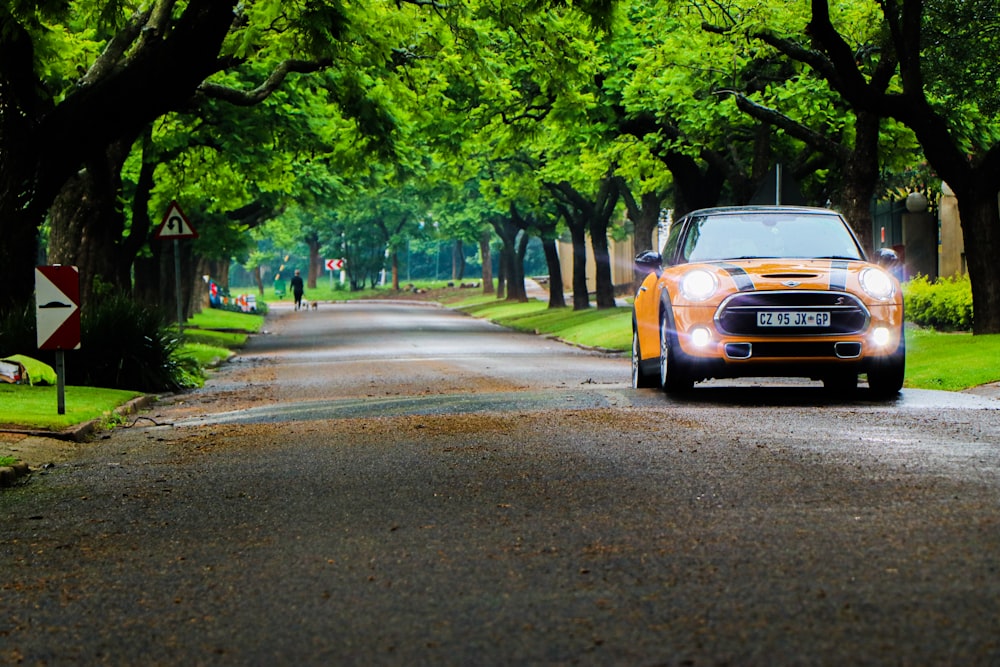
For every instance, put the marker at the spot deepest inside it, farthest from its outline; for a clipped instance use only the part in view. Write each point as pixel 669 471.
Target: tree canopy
pixel 351 124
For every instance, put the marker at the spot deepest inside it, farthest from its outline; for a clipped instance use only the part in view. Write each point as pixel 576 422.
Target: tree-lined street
pixel 399 484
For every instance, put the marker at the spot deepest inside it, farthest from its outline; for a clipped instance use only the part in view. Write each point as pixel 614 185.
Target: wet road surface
pixel 393 484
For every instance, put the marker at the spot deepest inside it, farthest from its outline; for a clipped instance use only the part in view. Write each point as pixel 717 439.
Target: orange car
pixel 767 291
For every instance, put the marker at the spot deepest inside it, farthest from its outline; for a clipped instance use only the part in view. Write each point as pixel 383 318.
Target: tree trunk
pixel 557 298
pixel 581 297
pixel 315 263
pixel 516 290
pixel 259 279
pixel 487 259
pixel 861 179
pixel 502 265
pixel 605 296
pixel 20 214
pixel 508 231
pixel 457 261
pixel 394 257
pixel 87 225
pixel 980 215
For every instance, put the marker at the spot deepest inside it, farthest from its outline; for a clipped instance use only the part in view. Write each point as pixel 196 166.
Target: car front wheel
pixel 673 377
pixel 640 380
pixel 885 378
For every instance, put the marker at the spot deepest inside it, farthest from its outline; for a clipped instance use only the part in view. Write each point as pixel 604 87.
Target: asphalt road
pixel 402 485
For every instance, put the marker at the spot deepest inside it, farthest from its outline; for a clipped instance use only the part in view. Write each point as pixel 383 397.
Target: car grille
pixel 738 314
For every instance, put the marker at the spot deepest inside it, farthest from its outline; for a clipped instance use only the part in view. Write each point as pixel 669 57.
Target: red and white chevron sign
pixel 57 307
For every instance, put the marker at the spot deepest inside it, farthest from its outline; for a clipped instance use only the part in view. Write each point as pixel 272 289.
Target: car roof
pixel 720 210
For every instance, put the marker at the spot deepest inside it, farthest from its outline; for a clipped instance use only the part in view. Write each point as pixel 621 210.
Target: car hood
pixel 766 274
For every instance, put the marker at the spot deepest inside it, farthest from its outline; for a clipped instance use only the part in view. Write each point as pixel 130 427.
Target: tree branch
pixel 791 127
pixel 114 52
pixel 263 91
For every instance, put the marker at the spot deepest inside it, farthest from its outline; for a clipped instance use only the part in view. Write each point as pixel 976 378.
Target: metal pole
pixel 177 284
pixel 777 184
pixel 61 381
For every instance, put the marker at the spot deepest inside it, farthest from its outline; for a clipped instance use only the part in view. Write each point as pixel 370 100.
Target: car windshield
pixel 763 234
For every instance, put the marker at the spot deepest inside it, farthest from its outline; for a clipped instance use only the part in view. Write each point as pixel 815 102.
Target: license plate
pixel 793 318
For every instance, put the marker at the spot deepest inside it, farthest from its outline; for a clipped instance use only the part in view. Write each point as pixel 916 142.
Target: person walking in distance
pixel 297 288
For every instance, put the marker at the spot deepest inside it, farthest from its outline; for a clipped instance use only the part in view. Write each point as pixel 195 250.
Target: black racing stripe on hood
pixel 744 282
pixel 838 274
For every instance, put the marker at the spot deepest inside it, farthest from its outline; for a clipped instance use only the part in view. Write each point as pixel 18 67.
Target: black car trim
pixel 744 282
pixel 737 314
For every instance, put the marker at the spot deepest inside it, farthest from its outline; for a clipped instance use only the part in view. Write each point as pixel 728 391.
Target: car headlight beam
pixel 700 336
pixel 877 284
pixel 698 285
pixel 881 336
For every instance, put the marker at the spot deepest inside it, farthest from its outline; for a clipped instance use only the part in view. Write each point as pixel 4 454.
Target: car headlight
pixel 698 285
pixel 877 283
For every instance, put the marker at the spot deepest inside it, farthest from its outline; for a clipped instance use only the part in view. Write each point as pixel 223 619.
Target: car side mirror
pixel 887 258
pixel 649 261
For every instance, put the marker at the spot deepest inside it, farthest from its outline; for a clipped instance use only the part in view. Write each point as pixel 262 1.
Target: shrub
pixel 944 304
pixel 128 345
pixel 17 331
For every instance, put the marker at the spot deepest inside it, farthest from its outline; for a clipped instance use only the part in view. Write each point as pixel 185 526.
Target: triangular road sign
pixel 175 225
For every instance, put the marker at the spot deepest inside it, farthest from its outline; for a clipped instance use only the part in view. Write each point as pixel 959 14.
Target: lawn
pixel 209 338
pixel 951 361
pixel 219 329
pixel 38 406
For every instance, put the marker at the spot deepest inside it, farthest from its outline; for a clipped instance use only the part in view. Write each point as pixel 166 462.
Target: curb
pixel 78 433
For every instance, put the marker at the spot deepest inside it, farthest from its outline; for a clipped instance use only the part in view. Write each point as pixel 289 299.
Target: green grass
pixel 7 461
pixel 607 328
pixel 37 407
pixel 951 361
pixel 206 356
pixel 223 329
pixel 213 318
pixel 232 340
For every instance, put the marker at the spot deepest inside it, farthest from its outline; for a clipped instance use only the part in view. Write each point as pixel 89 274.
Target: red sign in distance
pixel 57 307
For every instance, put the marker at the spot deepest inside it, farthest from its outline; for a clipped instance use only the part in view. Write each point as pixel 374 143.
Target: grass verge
pixel 37 407
pixel 950 361
pixel 209 338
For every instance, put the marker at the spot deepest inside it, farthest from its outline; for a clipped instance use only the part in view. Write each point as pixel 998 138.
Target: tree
pixel 44 141
pixel 960 141
pixel 158 59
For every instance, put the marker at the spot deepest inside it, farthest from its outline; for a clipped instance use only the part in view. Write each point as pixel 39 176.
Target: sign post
pixel 176 226
pixel 57 316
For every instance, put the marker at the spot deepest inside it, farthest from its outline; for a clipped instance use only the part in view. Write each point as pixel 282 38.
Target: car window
pixel 749 235
pixel 673 238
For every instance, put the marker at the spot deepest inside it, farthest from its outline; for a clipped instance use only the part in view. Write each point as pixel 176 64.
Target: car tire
pixel 640 380
pixel 673 377
pixel 885 377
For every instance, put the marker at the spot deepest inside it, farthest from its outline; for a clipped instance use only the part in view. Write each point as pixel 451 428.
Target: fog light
pixel 881 336
pixel 701 337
